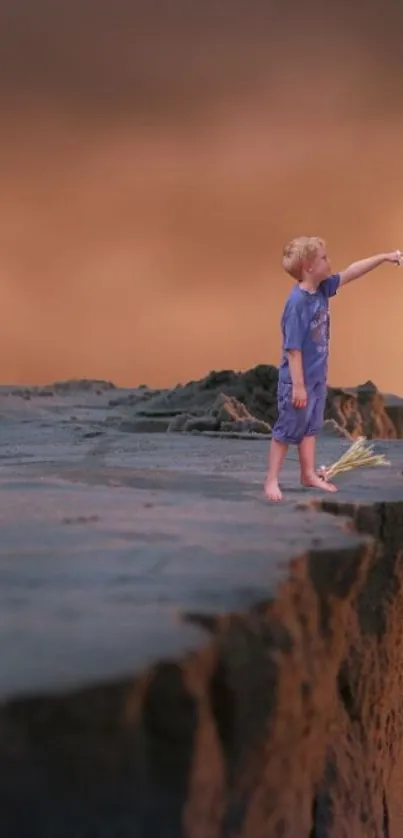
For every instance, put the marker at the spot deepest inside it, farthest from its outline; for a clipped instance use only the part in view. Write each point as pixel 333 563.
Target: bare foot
pixel 313 481
pixel 272 490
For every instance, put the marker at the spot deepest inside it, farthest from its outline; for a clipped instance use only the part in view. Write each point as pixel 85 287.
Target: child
pixel 301 394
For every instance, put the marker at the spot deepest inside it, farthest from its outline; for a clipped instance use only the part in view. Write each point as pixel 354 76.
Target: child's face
pixel 318 268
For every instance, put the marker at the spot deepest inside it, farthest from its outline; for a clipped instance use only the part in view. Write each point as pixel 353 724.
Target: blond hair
pixel 299 250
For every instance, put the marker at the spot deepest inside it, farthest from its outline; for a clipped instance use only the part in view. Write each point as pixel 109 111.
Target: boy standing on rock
pixel 302 381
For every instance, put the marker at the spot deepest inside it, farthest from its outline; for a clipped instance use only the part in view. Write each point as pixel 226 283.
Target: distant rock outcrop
pixel 64 388
pixel 238 403
pixel 222 403
pixel 227 403
pixel 362 412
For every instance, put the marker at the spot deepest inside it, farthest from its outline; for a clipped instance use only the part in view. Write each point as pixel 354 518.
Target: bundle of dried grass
pixel 359 454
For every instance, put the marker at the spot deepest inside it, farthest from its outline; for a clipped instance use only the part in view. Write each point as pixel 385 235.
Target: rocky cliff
pixel 181 660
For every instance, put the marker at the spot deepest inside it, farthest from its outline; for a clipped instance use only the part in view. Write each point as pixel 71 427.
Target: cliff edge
pixel 235 672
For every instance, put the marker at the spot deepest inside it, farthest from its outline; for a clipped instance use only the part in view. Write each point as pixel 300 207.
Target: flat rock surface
pixel 109 539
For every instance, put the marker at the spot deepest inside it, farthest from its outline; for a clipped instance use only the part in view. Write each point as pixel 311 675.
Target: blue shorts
pixel 294 423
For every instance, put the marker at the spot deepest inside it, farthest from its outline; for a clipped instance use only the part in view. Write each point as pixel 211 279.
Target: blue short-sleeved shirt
pixel 305 326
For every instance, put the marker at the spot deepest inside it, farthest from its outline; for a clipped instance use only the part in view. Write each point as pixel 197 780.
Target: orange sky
pixel 152 165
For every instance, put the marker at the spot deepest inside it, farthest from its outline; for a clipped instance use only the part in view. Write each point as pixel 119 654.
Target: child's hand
pixel 396 257
pixel 299 396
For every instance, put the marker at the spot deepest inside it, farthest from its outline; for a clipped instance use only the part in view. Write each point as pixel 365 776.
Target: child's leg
pixel 307 447
pixel 288 430
pixel 277 453
pixel 309 476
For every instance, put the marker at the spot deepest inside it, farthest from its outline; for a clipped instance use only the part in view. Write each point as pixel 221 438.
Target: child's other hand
pixel 396 257
pixel 299 396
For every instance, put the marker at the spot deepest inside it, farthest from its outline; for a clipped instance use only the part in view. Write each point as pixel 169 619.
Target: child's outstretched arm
pixel 364 266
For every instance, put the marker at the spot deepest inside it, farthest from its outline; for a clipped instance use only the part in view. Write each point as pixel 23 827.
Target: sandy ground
pixel 109 538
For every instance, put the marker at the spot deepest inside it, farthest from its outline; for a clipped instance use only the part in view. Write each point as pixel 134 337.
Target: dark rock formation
pixel 223 403
pixel 64 388
pixel 255 389
pixel 229 403
pixel 362 411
